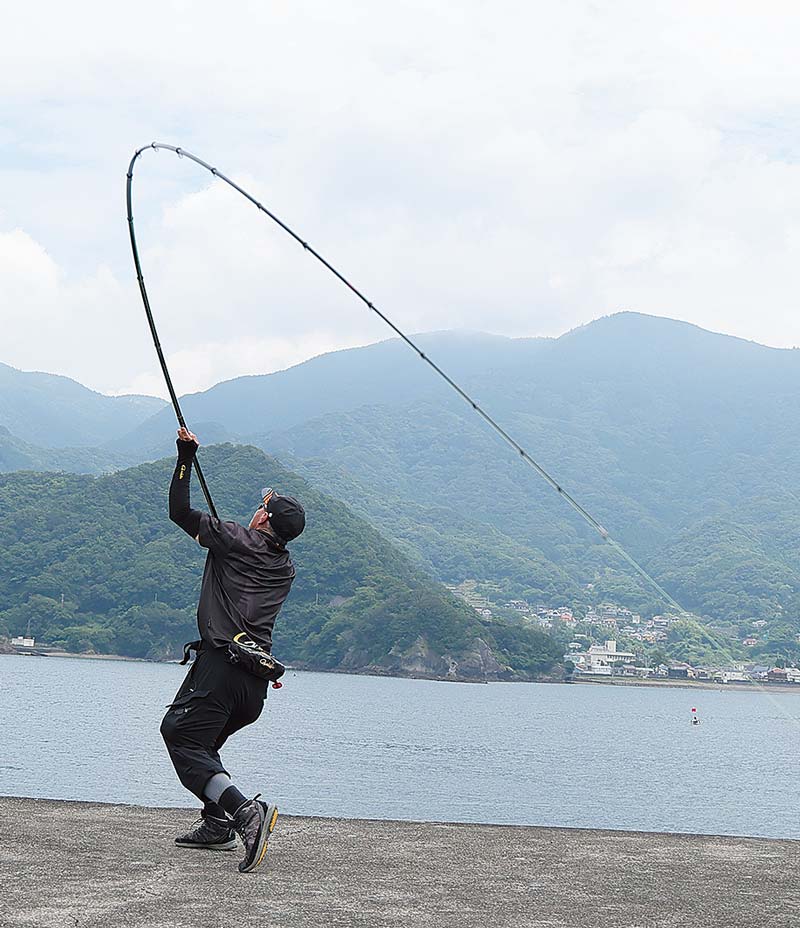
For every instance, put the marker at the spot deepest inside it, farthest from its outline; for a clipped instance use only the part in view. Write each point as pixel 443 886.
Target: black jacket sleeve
pixel 180 510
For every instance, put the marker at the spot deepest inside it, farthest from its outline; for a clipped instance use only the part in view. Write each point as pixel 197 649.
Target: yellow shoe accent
pixel 270 828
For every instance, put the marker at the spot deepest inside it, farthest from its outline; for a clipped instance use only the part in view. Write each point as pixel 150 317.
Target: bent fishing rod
pixel 154 332
pixel 488 419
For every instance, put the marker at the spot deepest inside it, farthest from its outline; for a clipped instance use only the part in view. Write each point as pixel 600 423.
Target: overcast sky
pixel 518 168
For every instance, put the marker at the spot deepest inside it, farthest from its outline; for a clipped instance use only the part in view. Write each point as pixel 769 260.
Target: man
pixel 247 577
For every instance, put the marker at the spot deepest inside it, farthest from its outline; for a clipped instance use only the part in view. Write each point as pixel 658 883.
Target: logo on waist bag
pixel 266 660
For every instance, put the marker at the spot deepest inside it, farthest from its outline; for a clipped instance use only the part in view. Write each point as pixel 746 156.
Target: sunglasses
pixel 266 495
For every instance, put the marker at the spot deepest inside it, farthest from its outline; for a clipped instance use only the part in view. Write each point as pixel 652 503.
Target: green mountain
pixel 54 411
pixel 680 441
pixel 656 426
pixel 94 564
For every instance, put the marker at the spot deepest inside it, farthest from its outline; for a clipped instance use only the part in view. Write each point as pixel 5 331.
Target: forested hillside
pixel 94 564
pixel 682 442
pixel 16 454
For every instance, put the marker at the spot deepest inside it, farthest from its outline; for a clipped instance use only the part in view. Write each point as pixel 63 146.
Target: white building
pixel 734 676
pixel 23 642
pixel 600 658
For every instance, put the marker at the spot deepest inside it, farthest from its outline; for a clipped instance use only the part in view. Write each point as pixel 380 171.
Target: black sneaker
pixel 209 833
pixel 254 821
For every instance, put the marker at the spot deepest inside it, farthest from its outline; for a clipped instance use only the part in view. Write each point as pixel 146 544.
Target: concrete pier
pixel 85 865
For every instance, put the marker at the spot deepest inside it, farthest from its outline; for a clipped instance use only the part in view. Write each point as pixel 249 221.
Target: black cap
pixel 286 516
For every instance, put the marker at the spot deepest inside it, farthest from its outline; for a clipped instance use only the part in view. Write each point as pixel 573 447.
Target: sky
pixel 517 168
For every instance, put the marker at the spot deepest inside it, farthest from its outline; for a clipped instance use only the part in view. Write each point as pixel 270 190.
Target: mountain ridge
pixel 53 410
pixel 675 438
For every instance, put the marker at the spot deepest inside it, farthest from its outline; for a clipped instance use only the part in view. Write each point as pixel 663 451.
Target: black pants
pixel 215 700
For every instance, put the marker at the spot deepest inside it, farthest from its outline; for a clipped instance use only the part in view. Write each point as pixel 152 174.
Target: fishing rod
pixel 153 331
pixel 498 429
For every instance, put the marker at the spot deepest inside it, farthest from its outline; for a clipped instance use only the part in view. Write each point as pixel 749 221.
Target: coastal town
pixel 609 643
pixel 593 651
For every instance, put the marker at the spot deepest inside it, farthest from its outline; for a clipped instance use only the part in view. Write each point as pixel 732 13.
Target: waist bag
pixel 245 653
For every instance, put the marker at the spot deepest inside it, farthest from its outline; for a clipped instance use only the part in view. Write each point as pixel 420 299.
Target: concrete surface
pixel 81 865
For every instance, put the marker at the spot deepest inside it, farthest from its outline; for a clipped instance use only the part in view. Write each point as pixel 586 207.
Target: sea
pixel 338 745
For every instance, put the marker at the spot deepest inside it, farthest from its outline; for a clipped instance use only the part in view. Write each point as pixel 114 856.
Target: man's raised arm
pixel 180 510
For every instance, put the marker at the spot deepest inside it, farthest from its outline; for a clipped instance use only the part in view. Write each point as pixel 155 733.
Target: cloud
pixel 517 169
pixel 79 327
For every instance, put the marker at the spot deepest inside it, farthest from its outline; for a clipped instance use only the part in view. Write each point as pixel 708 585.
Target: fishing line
pixel 498 429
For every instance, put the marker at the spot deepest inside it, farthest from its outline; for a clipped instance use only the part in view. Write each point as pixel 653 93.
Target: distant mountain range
pixel 683 443
pixel 54 411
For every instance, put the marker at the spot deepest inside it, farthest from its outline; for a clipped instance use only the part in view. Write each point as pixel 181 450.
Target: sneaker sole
pixel 227 846
pixel 271 817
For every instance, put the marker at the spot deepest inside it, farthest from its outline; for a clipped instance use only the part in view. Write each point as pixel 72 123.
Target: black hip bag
pixel 248 655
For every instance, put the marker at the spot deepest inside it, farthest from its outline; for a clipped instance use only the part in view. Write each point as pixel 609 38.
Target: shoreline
pixel 690 684
pixel 41 652
pixel 374 672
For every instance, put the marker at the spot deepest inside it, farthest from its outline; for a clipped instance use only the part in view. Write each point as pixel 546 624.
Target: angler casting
pixel 247 577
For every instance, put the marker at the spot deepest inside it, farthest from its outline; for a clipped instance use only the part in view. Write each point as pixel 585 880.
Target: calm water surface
pixel 372 747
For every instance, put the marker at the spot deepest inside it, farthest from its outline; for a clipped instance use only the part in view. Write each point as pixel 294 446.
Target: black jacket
pixel 248 574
